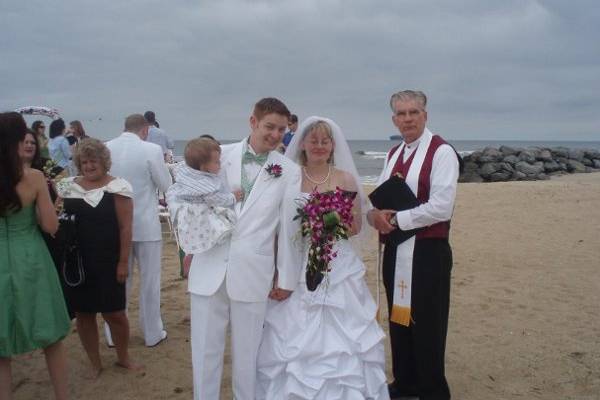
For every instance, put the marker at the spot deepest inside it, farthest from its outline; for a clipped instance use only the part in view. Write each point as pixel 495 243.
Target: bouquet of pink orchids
pixel 325 218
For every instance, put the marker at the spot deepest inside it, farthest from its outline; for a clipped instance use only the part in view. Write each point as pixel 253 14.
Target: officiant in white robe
pixel 416 273
pixel 231 282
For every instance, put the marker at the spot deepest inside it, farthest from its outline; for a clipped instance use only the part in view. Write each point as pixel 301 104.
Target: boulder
pixel 511 159
pixel 544 155
pixel 591 154
pixel 519 176
pixel 576 154
pixel 474 156
pixel 488 168
pixel 501 176
pixel 530 169
pixel 575 166
pixel 587 162
pixel 560 152
pixel 596 163
pixel 509 151
pixel 528 156
pixel 490 154
pixel 471 166
pixel 552 166
pixel 504 166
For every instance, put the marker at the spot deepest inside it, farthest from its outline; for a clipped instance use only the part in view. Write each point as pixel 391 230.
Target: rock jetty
pixel 527 164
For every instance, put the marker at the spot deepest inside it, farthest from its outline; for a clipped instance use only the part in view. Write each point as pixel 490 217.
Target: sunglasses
pixel 42 127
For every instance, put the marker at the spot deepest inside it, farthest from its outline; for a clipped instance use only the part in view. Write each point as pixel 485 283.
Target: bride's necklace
pixel 315 181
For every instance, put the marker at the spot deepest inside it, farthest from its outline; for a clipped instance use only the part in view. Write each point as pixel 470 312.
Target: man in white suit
pixel 142 164
pixel 231 282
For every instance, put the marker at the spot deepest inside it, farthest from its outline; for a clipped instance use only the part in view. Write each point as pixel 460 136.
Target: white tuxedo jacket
pixel 141 164
pixel 247 261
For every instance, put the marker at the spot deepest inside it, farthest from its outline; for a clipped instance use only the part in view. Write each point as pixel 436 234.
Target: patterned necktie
pixel 260 159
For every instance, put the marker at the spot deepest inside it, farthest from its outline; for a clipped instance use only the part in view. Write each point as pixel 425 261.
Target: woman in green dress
pixel 32 311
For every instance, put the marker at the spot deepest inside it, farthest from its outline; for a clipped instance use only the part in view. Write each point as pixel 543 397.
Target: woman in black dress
pixel 103 209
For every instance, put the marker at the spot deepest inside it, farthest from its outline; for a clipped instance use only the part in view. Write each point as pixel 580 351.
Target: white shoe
pixel 163 336
pixel 108 336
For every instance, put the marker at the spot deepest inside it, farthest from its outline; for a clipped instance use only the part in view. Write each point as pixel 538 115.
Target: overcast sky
pixel 512 69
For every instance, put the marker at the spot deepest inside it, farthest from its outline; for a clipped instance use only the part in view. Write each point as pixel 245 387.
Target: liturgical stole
pixel 416 171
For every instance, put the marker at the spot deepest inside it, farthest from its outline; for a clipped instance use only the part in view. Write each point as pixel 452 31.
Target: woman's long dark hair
pixel 12 132
pixel 36 125
pixel 57 127
pixel 37 162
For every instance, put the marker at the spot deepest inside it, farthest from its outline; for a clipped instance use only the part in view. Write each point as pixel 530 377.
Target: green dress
pixel 32 308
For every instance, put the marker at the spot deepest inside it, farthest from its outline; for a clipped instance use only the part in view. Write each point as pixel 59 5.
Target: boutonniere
pixel 275 170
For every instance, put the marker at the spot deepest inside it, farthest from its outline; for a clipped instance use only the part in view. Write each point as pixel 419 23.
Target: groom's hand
pixel 279 294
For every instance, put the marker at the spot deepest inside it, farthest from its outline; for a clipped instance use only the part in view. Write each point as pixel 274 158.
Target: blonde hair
pixel 317 126
pixel 199 151
pixel 94 149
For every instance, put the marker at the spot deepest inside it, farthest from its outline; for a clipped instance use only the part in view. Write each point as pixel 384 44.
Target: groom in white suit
pixel 230 283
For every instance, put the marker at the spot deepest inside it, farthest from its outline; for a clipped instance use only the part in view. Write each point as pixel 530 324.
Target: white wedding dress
pixel 324 344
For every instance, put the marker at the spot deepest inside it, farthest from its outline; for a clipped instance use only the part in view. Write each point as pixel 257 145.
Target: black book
pixel 394 194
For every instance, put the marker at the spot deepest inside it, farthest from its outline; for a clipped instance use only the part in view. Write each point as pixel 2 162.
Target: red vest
pixel 440 230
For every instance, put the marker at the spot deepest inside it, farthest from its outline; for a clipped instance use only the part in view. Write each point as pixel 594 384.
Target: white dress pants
pixel 148 256
pixel 210 316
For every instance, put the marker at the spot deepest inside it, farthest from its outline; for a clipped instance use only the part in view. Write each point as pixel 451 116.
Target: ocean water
pixel 369 155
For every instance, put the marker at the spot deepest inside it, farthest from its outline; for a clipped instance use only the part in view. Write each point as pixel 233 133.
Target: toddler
pixel 200 205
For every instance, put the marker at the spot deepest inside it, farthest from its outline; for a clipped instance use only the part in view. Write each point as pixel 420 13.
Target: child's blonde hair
pixel 198 151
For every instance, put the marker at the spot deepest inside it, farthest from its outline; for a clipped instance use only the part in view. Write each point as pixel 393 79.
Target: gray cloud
pixel 517 69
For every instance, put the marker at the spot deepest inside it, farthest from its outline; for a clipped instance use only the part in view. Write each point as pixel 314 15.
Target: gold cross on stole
pixel 402 286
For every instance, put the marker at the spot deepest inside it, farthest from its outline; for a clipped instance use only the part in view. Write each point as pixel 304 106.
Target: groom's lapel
pixel 260 184
pixel 233 166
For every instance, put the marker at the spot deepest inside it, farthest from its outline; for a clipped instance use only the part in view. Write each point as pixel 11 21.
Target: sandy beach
pixel 524 318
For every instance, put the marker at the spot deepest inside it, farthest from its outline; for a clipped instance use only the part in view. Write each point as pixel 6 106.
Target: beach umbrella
pixel 39 110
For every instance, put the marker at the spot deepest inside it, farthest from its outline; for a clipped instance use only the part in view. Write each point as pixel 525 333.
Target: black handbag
pixel 72 264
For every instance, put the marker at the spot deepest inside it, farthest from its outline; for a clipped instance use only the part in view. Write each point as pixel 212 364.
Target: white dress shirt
pixel 160 137
pixel 442 193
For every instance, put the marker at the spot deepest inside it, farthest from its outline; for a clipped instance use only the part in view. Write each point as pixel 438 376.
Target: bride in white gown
pixel 325 344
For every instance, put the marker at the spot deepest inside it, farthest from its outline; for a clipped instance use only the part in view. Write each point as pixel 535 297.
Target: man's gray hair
pixel 407 95
pixel 135 123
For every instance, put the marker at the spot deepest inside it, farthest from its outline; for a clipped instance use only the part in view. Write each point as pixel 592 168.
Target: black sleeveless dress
pixel 99 243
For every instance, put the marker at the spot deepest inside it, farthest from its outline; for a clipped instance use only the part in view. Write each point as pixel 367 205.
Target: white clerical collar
pixel 415 144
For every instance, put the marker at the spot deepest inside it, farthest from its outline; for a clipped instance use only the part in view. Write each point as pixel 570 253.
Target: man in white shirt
pixel 416 272
pixel 159 136
pixel 142 165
